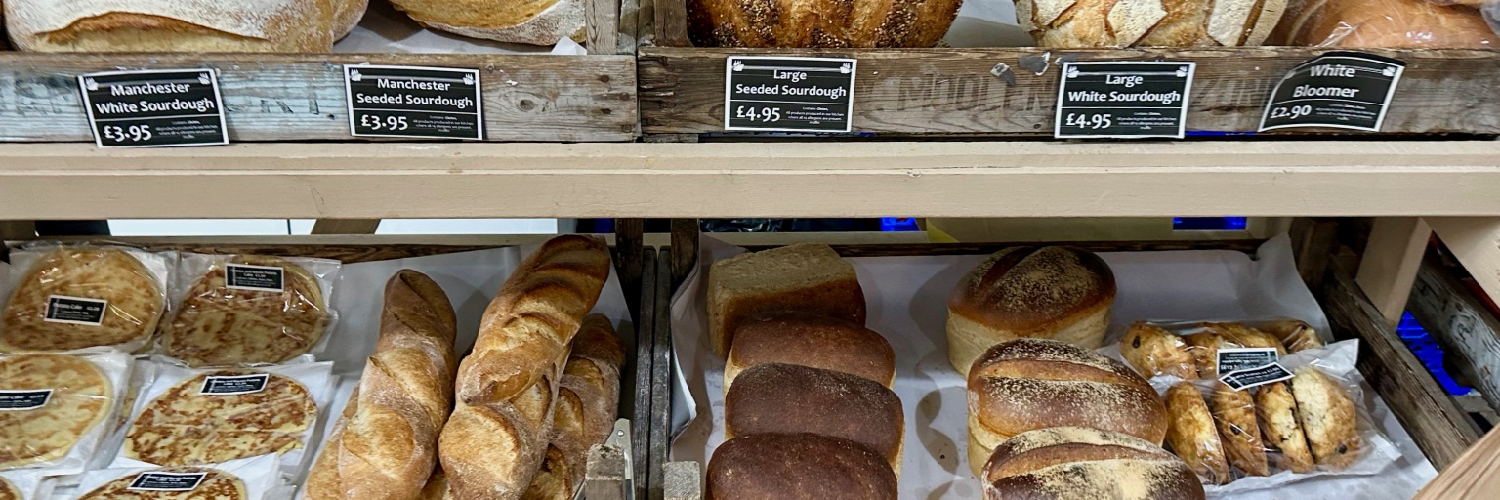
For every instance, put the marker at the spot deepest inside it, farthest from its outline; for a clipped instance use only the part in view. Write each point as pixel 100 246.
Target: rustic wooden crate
pixel 1437 422
pixel 284 97
pixel 1012 92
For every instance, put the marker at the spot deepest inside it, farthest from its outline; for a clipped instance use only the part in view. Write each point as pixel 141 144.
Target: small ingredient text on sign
pixel 1123 100
pixel 180 107
pixel 789 94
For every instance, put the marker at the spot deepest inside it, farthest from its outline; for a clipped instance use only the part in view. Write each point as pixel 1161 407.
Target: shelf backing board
pixel 1012 92
pixel 279 97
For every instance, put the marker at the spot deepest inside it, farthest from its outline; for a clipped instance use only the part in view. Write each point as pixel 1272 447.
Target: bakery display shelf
pixel 302 97
pixel 1436 421
pixel 821 179
pixel 1013 92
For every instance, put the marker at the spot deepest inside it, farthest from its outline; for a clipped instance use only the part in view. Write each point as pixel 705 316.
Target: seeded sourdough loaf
pixel 1057 293
pixel 806 277
pixel 1149 23
pixel 814 340
pixel 536 22
pixel 1030 384
pixel 820 24
pixel 1077 463
pixel 180 25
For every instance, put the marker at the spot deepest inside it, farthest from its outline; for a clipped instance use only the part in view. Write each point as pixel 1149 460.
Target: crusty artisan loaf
pixel 178 25
pixel 1030 384
pixel 779 398
pixel 1058 293
pixel 498 434
pixel 1383 24
pixel 1148 23
pixel 806 277
pixel 811 339
pixel 797 467
pixel 385 445
pixel 1193 435
pixel 820 23
pixel 1077 463
pixel 586 407
pixel 537 22
pixel 527 327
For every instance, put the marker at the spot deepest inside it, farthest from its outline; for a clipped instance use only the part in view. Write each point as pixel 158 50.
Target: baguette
pixel 526 329
pixel 586 409
pixel 385 444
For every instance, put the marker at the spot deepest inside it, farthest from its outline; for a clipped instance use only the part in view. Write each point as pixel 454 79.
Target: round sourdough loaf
pixel 536 22
pixel 810 339
pixel 798 467
pixel 180 25
pixel 820 23
pixel 1059 293
pixel 1076 463
pixel 1149 23
pixel 1030 384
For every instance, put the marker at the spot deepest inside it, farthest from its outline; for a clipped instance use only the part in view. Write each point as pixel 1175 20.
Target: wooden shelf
pixel 802 179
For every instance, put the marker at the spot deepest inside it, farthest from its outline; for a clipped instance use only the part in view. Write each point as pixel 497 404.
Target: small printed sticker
pixel 234 384
pixel 1233 360
pixel 1255 377
pixel 255 278
pixel 24 400
pixel 167 481
pixel 75 310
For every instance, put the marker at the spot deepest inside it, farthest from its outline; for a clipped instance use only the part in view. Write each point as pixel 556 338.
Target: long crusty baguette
pixel 586 409
pixel 527 328
pixel 385 445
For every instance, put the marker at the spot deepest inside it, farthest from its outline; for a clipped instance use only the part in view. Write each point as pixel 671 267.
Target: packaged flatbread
pixel 55 408
pixel 248 479
pixel 81 296
pixel 248 309
pixel 207 416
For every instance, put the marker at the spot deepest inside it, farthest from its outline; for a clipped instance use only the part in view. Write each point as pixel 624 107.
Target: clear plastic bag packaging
pixel 1436 24
pixel 1195 350
pixel 55 409
pixel 67 297
pixel 25 484
pixel 190 416
pixel 249 309
pixel 243 479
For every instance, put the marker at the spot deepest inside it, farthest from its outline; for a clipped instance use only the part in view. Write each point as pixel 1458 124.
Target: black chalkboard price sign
pixel 414 102
pixel 145 108
pixel 1336 90
pixel 1123 100
pixel 789 94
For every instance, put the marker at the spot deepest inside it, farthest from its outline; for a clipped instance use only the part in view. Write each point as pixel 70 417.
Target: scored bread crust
pixel 820 23
pixel 586 406
pixel 173 26
pixel 1277 411
pixel 1234 412
pixel 8 491
pixel 385 444
pixel 814 340
pixel 1086 463
pixel 1148 23
pixel 1328 418
pixel 1193 435
pixel 82 397
pixel 536 22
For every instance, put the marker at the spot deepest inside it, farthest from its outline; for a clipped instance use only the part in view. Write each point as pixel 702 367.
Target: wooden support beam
pixel 602 26
pixel 1467 331
pixel 630 250
pixel 1313 242
pixel 684 249
pixel 1471 477
pixel 661 380
pixel 345 226
pixel 1390 263
pixel 1475 242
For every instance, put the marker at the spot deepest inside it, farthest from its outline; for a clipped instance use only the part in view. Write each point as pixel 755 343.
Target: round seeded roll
pixel 798 467
pixel 1058 293
pixel 1030 384
pixel 787 399
pixel 811 339
pixel 1077 463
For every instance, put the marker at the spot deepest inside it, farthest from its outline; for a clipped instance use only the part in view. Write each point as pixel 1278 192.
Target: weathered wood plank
pixel 345 226
pixel 602 26
pixel 1433 419
pixel 1472 477
pixel 644 391
pixel 270 97
pixel 660 424
pixel 630 250
pixel 1468 333
pixel 671 24
pixel 1013 91
pixel 684 249
pixel 1389 264
pixel 1313 242
pixel 1475 242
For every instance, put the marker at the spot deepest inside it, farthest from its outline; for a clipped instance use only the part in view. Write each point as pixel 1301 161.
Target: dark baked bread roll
pixel 810 339
pixel 779 398
pixel 798 467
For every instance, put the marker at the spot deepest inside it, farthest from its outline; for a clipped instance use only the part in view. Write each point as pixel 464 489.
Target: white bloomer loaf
pixel 180 25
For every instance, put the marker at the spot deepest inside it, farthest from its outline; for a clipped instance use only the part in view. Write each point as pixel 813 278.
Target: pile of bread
pixel 809 411
pixel 267 25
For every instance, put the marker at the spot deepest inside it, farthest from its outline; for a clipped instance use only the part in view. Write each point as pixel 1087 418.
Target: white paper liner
pixel 116 367
pixel 32 484
pixel 906 301
pixel 258 473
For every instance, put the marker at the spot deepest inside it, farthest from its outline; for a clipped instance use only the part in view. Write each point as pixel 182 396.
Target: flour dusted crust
pixel 218 325
pixel 1077 463
pixel 216 485
pixel 183 427
pixel 820 23
pixel 175 25
pixel 109 274
pixel 1146 23
pixel 536 22
pixel 81 399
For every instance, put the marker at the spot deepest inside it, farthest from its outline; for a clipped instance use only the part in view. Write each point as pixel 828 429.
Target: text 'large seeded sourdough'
pixel 536 22
pixel 1058 293
pixel 820 23
pixel 1149 23
pixel 1077 463
pixel 180 25
pixel 1030 384
pixel 806 277
pixel 798 467
pixel 385 445
pixel 507 389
